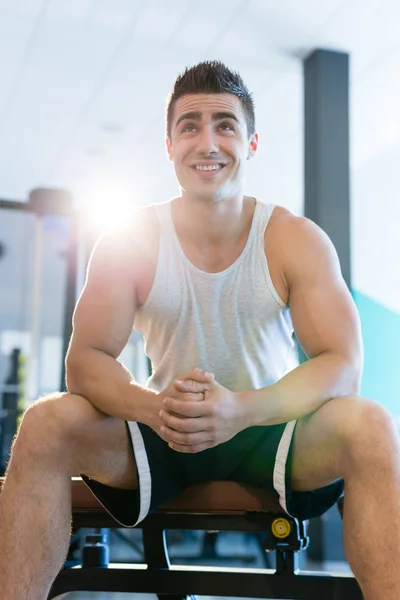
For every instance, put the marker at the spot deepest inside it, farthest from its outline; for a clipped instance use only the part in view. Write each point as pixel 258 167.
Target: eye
pixel 189 127
pixel 227 127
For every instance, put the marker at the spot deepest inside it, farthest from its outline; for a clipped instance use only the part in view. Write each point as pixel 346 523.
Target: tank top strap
pixel 262 216
pixel 163 212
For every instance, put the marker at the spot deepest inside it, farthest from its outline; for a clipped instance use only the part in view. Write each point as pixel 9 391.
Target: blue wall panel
pixel 381 334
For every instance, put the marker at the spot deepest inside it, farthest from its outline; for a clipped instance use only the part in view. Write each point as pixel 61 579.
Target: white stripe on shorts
pixel 143 470
pixel 280 464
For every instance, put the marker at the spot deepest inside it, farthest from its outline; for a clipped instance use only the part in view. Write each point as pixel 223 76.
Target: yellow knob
pixel 281 528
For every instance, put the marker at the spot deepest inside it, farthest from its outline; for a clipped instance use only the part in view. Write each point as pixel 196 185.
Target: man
pixel 216 281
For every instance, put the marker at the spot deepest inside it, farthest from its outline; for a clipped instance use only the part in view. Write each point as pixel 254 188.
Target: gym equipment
pixel 9 411
pixel 213 506
pixel 45 204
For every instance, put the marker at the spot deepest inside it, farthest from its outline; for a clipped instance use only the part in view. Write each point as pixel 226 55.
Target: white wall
pixel 376 227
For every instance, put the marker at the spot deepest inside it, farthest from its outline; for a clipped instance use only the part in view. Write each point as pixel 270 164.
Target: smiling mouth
pixel 208 168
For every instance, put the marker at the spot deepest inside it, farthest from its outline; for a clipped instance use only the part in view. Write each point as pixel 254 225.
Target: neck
pixel 208 223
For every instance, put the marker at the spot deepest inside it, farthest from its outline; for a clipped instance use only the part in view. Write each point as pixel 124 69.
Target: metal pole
pixel 33 359
pixel 326 148
pixel 70 296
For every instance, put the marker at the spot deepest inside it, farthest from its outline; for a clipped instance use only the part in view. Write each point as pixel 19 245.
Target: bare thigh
pixel 83 440
pixel 340 439
pixel 320 442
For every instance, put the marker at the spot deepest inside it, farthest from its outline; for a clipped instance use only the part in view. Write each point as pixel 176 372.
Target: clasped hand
pixel 198 413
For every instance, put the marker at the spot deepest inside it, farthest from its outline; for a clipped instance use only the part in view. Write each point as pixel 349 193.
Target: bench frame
pixel 177 582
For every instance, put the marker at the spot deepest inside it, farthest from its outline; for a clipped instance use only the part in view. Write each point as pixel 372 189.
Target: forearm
pixel 110 387
pixel 303 390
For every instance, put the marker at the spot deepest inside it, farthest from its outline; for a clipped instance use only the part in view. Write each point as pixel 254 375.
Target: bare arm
pixel 102 323
pixel 326 324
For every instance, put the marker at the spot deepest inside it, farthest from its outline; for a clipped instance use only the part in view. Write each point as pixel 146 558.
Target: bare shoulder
pixel 300 249
pixel 284 221
pixel 298 235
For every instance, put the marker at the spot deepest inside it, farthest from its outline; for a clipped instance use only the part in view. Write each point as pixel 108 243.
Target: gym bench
pixel 213 506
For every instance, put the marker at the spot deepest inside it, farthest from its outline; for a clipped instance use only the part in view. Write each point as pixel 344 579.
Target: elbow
pixel 354 388
pixel 81 371
pixel 354 371
pixel 358 368
pixel 73 375
pixel 357 383
pixel 346 374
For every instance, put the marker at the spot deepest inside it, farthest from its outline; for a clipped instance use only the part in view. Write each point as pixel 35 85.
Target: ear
pixel 169 148
pixel 253 146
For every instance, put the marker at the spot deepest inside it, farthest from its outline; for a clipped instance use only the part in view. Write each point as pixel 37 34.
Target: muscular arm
pixel 102 324
pixel 326 324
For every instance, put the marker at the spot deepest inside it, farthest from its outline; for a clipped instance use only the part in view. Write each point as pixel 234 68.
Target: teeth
pixel 208 168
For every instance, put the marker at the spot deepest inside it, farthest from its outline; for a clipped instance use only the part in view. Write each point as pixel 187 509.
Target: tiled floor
pixel 246 549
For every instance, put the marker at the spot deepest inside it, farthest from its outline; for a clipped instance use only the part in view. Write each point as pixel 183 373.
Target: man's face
pixel 209 145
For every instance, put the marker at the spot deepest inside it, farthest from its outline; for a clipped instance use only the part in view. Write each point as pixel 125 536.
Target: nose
pixel 208 143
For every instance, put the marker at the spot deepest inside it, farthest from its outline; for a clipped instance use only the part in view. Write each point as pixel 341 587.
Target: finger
pixel 189 385
pixel 190 396
pixel 187 409
pixel 183 439
pixel 197 375
pixel 184 424
pixel 185 449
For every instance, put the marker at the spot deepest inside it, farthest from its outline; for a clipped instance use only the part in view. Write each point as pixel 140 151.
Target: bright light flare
pixel 108 207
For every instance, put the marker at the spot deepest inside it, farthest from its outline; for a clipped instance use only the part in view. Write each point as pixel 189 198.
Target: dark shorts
pixel 260 456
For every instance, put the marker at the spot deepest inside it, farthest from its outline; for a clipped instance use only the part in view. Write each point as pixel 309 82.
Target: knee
pixel 48 424
pixel 368 432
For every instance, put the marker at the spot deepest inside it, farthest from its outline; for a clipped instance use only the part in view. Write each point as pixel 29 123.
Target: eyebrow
pixel 196 116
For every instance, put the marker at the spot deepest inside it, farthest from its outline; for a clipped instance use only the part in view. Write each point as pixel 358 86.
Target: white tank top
pixel 232 323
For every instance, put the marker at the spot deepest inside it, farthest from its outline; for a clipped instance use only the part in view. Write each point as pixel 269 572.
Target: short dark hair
pixel 212 77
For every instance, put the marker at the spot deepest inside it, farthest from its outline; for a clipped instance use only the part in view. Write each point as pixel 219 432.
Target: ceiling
pixel 83 85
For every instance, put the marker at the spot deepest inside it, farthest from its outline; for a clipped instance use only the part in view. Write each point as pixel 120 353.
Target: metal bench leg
pixel 286 562
pixel 155 549
pixel 95 552
pixel 156 557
